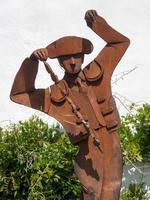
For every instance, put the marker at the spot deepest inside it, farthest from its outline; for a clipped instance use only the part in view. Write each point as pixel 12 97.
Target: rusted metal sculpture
pixel 83 103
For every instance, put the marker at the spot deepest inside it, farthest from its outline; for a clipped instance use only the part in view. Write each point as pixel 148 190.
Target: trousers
pixel 100 170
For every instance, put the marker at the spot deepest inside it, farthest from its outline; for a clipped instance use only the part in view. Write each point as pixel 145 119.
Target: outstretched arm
pixel 116 42
pixel 23 90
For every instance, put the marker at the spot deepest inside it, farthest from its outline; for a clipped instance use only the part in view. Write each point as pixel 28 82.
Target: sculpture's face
pixel 71 63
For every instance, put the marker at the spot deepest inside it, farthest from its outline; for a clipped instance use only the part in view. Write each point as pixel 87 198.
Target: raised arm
pixel 23 90
pixel 116 45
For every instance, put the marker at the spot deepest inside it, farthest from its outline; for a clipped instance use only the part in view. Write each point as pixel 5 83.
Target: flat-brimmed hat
pixel 69 45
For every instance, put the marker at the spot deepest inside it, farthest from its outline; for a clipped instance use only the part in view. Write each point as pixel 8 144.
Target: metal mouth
pixel 73 66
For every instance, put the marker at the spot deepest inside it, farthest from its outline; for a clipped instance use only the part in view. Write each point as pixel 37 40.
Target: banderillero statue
pixel 82 102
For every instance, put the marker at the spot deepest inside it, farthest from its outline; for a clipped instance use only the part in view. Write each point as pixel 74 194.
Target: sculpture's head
pixel 70 52
pixel 71 63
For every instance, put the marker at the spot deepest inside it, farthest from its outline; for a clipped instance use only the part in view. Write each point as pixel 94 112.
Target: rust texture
pixel 83 103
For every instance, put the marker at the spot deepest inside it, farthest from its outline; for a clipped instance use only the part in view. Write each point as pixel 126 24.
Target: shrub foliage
pixel 36 161
pixel 135 134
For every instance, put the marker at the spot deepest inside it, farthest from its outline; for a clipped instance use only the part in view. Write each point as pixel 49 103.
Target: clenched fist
pixel 90 17
pixel 40 54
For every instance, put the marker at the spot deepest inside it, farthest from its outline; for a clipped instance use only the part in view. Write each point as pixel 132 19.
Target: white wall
pixel 30 24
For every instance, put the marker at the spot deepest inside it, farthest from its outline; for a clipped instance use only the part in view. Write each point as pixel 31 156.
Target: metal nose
pixel 72 60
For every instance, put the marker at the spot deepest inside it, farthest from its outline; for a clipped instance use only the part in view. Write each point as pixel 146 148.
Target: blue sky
pixel 28 25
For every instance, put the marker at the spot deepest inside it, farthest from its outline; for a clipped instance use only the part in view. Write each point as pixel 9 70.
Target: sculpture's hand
pixel 90 17
pixel 40 54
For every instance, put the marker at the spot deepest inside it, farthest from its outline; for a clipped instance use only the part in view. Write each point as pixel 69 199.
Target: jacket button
pixel 112 125
pixel 100 100
pixel 108 111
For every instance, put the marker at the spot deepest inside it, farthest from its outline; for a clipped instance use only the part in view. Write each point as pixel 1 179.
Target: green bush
pixel 135 133
pixel 36 163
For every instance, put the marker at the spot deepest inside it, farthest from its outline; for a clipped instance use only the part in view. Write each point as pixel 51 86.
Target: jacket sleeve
pixel 23 89
pixel 116 45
